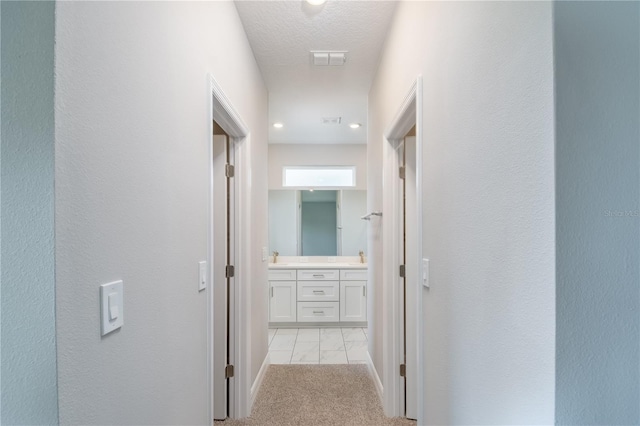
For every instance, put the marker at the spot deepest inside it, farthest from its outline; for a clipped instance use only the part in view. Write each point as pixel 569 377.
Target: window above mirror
pixel 318 176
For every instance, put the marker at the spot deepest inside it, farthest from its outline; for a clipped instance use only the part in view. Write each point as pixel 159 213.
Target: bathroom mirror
pixel 317 223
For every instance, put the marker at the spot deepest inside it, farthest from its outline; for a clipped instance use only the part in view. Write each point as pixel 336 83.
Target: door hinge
pixel 402 172
pixel 402 271
pixel 229 170
pixel 230 271
pixel 228 371
pixel 403 370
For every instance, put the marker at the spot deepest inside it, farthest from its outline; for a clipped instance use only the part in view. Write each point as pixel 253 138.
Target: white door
pixel 282 301
pixel 219 280
pixel 222 279
pixel 353 301
pixel 412 278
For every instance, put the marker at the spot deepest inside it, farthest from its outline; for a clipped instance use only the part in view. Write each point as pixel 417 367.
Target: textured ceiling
pixel 282 33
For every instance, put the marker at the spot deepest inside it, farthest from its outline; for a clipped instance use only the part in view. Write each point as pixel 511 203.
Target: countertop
pixel 323 265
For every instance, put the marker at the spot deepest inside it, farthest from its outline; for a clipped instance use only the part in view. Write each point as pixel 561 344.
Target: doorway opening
pixel 223 274
pixel 402 253
pixel 228 354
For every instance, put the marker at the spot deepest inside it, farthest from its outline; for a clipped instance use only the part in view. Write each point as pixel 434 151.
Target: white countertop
pixel 323 265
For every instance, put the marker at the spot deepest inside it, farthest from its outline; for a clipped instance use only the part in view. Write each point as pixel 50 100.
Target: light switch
pixel 425 273
pixel 265 254
pixel 113 306
pixel 111 302
pixel 202 276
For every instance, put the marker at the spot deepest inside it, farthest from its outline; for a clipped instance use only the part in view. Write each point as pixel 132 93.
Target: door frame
pixel 222 111
pixel 408 115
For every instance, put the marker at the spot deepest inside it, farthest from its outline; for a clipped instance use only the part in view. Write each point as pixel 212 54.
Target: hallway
pixel 529 137
pixel 318 395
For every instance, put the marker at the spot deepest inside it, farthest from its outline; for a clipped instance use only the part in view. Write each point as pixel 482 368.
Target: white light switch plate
pixel 265 254
pixel 112 309
pixel 202 275
pixel 425 273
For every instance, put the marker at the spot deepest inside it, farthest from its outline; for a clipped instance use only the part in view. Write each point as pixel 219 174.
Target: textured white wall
pixel 317 155
pixel 29 386
pixel 131 201
pixel 597 58
pixel 488 203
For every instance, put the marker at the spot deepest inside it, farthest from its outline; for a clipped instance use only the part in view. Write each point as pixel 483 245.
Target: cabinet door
pixel 353 301
pixel 282 301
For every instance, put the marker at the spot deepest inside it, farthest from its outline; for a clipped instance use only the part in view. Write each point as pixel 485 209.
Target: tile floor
pixel 317 345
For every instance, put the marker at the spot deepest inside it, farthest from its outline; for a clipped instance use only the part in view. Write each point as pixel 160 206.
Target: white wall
pixel 316 155
pixel 597 56
pixel 29 382
pixel 488 193
pixel 131 201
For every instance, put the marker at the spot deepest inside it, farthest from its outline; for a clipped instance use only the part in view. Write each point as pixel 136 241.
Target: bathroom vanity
pixel 311 294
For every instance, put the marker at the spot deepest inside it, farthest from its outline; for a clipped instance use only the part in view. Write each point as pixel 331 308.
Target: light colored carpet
pixel 318 395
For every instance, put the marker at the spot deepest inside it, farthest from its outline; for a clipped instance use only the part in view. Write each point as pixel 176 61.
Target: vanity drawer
pixel 282 274
pixel 353 274
pixel 318 311
pixel 318 274
pixel 314 291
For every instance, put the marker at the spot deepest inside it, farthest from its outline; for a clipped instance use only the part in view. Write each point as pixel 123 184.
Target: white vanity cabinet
pixel 353 295
pixel 318 295
pixel 282 295
pixel 323 295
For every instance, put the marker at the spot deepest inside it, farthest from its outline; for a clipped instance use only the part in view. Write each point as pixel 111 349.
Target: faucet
pixel 361 256
pixel 275 256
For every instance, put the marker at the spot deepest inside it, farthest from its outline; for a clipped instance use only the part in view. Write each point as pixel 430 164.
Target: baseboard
pixel 259 378
pixel 375 377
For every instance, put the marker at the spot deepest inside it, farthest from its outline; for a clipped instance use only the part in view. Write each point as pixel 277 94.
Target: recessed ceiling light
pixel 278 125
pixel 354 125
pixel 316 2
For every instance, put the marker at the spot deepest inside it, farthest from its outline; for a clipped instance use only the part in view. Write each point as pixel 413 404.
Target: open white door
pixel 411 280
pixel 223 274
pixel 218 279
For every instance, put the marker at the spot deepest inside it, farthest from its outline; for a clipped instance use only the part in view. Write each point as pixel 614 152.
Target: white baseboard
pixel 259 378
pixel 375 377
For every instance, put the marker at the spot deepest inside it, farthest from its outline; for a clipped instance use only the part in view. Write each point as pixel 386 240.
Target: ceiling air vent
pixel 331 120
pixel 326 58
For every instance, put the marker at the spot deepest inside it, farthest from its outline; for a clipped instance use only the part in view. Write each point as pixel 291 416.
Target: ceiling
pixel 283 33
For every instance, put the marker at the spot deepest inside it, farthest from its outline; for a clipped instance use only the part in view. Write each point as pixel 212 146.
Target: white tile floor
pixel 317 345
